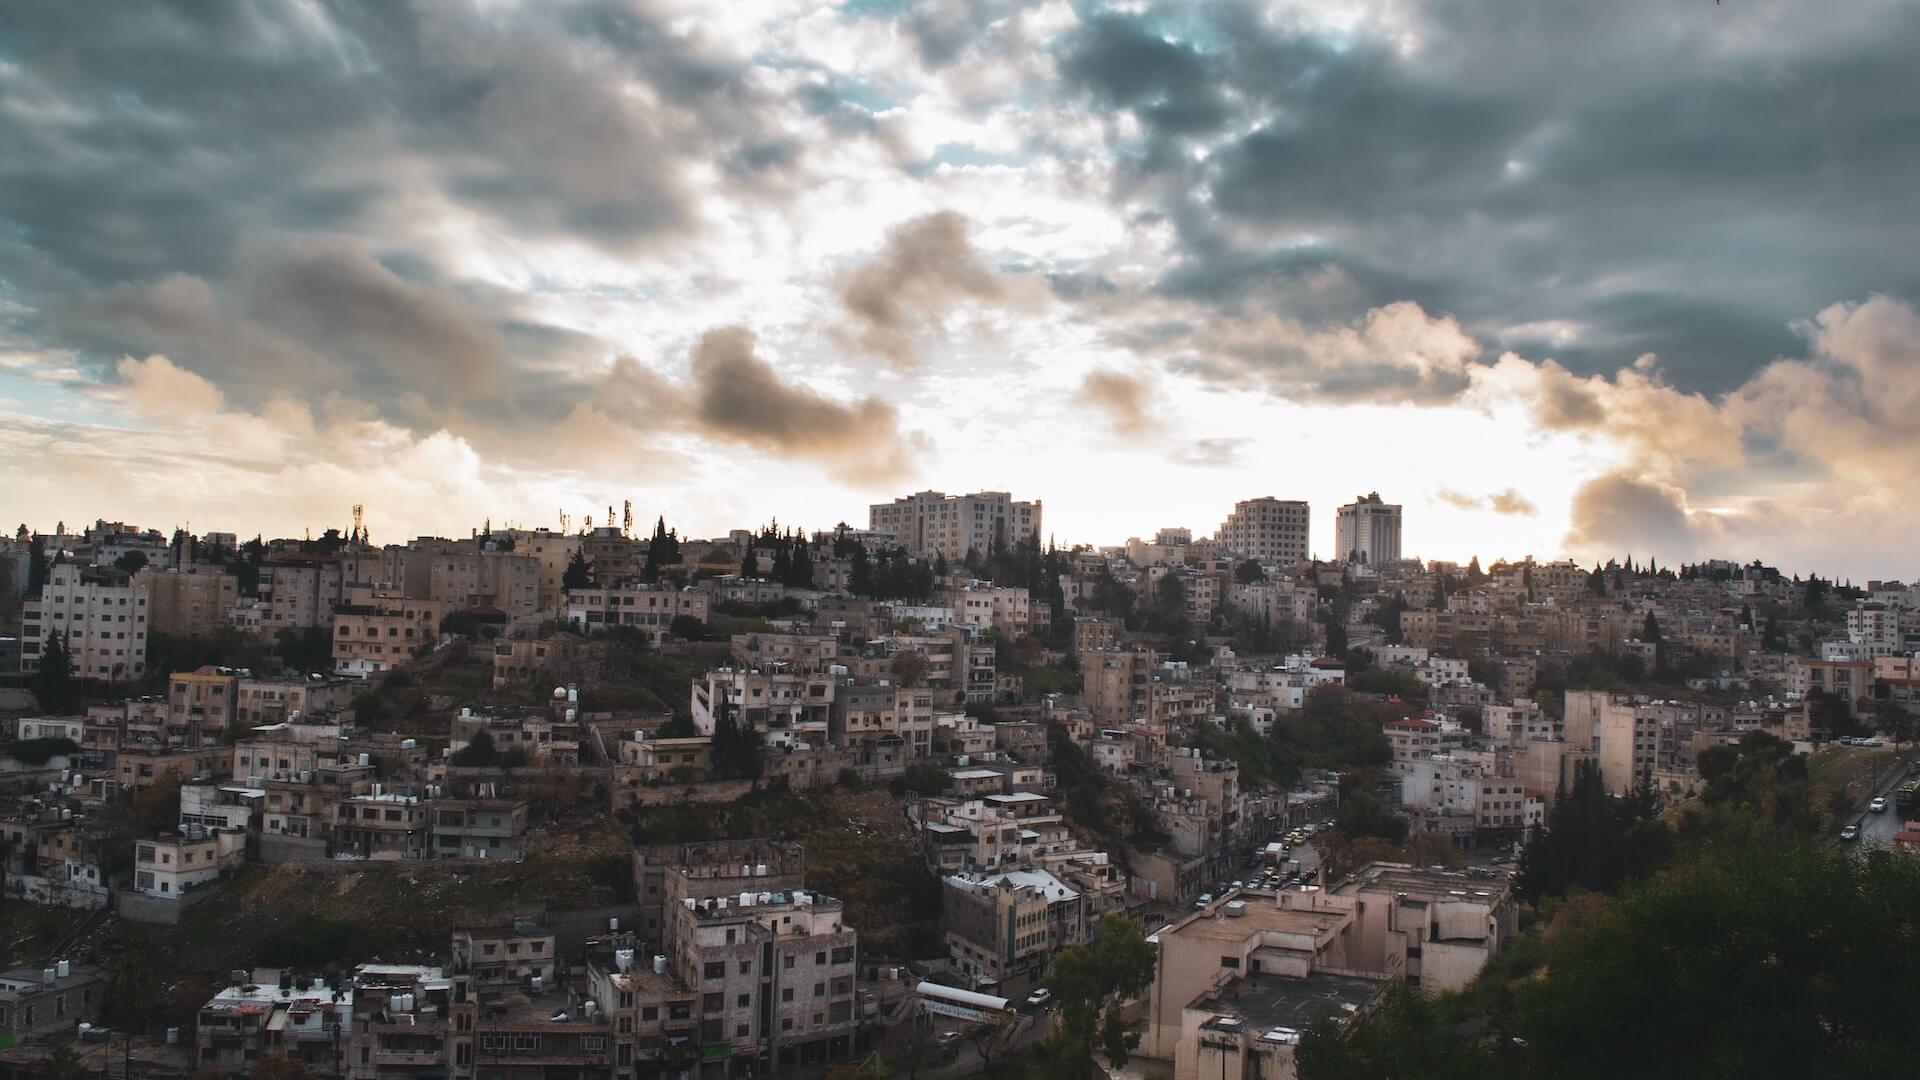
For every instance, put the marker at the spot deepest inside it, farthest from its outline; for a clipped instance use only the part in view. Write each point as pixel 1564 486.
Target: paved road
pixel 1879 828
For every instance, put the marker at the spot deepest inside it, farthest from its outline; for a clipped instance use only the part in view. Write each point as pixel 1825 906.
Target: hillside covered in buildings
pixel 931 797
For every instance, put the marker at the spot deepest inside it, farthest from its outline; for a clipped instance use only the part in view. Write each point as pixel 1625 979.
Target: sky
pixel 1590 280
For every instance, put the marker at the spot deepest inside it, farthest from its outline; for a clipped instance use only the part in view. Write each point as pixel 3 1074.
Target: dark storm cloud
pixel 150 155
pixel 1677 179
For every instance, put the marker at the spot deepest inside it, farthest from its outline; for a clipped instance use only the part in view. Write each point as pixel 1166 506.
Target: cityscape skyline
pixel 504 261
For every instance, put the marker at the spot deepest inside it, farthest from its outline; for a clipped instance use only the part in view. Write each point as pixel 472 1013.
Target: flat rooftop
pixel 1263 913
pixel 1422 884
pixel 1276 1004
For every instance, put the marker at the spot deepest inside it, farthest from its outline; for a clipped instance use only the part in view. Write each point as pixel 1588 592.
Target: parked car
pixel 1040 996
pixel 1850 832
pixel 1878 804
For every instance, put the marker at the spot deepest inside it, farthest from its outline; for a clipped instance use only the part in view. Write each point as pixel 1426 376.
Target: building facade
pixel 1268 529
pixel 929 523
pixel 1367 531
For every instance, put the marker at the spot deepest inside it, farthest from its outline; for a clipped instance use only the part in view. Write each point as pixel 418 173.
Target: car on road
pixel 1040 997
pixel 1850 832
pixel 1878 805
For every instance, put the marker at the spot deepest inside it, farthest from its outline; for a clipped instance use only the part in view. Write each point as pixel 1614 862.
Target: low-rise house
pixel 478 827
pixel 172 865
pixel 37 1002
pixel 381 825
pixel 271 1013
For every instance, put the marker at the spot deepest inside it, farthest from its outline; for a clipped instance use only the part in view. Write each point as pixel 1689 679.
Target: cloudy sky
pixel 1561 278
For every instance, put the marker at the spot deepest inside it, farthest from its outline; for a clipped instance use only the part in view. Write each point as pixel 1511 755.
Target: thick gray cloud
pixel 1590 184
pixel 1623 513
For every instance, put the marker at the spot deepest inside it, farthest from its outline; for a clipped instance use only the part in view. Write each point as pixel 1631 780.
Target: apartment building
pixel 480 828
pixel 188 601
pixel 260 700
pixel 1267 529
pixel 101 615
pixel 1116 682
pixel 882 719
pixel 799 652
pixel 269 1013
pixel 773 967
pixel 1367 531
pixel 402 1021
pixel 301 591
pixel 648 608
pixel 380 631
pixel 382 825
pixel 203 703
pixel 929 523
pixel 520 953
pixel 788 708
pixel 552 551
pixel 171 865
pixel 1628 741
pixel 1000 928
pixel 543 659
pixel 465 574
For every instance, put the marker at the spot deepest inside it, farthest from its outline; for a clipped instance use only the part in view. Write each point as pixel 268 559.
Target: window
pixel 593 1042
pixel 786 993
pixel 746 967
pixel 493 1042
pixel 743 1001
pixel 526 1043
pixel 649 1012
pixel 1230 962
pixel 819 958
pixel 715 969
pixel 713 1002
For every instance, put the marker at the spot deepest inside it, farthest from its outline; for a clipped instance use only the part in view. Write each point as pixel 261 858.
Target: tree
pixel 1092 982
pixel 687 628
pixel 479 752
pixel 736 748
pixel 579 572
pixel 131 562
pixel 1362 814
pixel 37 565
pixel 909 668
pixel 1592 840
pixel 1249 571
pixel 309 648
pixel 749 563
pixel 61 1063
pixel 53 685
pixel 1336 638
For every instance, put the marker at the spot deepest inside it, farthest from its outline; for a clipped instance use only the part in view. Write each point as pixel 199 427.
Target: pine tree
pixel 36 568
pixel 579 572
pixel 53 684
pixel 749 564
pixel 801 576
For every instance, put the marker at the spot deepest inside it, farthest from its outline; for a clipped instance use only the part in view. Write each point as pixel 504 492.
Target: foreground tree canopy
pixel 1768 953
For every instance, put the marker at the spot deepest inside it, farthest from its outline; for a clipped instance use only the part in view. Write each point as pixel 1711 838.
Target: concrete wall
pixel 138 907
pixel 277 848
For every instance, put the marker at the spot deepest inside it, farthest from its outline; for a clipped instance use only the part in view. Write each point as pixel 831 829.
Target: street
pixel 1879 828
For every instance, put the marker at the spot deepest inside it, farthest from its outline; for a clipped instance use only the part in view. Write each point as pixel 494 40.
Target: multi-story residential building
pixel 516 954
pixel 169 866
pixel 929 523
pixel 1267 529
pixel 260 700
pixel 402 1021
pixel 882 719
pixel 788 708
pixel 1629 741
pixel 189 601
pixel 1367 531
pixel 648 608
pixel 1002 929
pixel 101 615
pixel 145 762
pixel 301 591
pixel 380 631
pixel 799 652
pixel 203 703
pixel 612 554
pixel 1116 683
pixel 480 828
pixel 382 825
pixel 552 737
pixel 773 966
pixel 552 551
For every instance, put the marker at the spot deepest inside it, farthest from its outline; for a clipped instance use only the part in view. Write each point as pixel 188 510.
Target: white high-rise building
pixel 929 523
pixel 102 616
pixel 1268 529
pixel 1368 531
